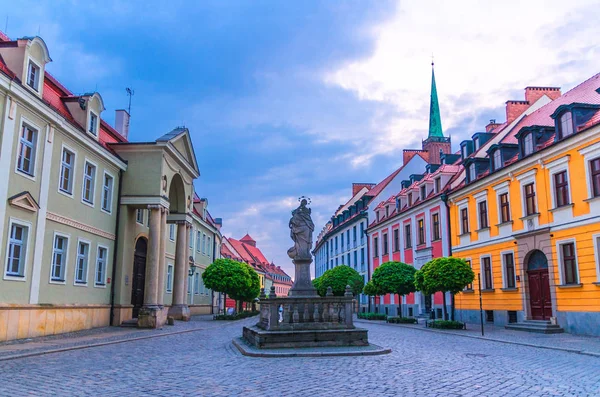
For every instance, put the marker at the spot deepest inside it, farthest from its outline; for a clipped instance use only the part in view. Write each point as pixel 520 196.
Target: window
pixel 355 260
pixel 348 238
pixel 362 256
pixel 396 239
pixel 354 234
pixel 483 215
pixel 464 152
pixel 423 192
pixel 59 257
pixel 209 246
pixel 487 273
pixel 421 227
pixel 33 75
pixel 83 251
pixel 196 284
pixel 409 199
pixel 469 287
pixel 93 128
pixel 348 259
pixel 529 199
pixel 407 236
pixel 148 212
pixel 385 243
pixel 528 144
pixel 595 171
pixel 198 235
pixel 504 208
pixel 476 142
pixel 107 193
pixel 566 125
pixel 464 220
pixel 472 173
pixel 375 247
pixel 438 184
pixel 569 264
pixel 362 232
pixel 189 285
pixel 435 221
pixel 497 159
pixel 561 189
pixel 509 271
pixel 26 154
pixel 89 176
pixel 342 241
pixel 139 216
pixel 101 266
pixel 66 172
pixel 204 243
pixel 17 247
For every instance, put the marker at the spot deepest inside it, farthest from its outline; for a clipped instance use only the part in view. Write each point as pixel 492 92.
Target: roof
pixel 435 120
pixel 585 92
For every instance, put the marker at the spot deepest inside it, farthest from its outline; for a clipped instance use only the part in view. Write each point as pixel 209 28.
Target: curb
pixel 237 342
pixel 563 349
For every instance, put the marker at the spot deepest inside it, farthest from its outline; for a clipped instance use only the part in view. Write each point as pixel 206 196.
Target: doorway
pixel 538 279
pixel 139 275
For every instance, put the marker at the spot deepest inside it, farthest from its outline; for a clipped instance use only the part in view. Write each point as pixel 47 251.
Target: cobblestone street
pixel 204 363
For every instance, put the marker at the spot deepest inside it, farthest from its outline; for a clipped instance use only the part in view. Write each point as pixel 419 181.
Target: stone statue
pixel 301 230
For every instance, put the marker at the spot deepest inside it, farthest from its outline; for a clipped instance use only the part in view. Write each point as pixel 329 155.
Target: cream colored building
pixel 94 230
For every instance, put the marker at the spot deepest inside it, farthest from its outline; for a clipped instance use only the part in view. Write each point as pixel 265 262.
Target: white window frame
pixel 462 206
pixel 562 124
pixel 196 283
pixel 91 203
pixel 596 242
pixel 198 235
pixel 25 224
pixel 26 122
pixel 500 189
pixel 137 217
pixel 73 171
pixel 91 115
pixel 208 245
pixel 525 146
pixel 204 243
pixel 497 159
pixel 590 153
pixel 65 258
pixel 481 197
pixel 105 272
pixel 112 190
pixel 191 238
pixel 503 263
pixel 472 172
pixel 482 272
pixel 524 180
pixel 38 79
pixel 169 278
pixel 559 256
pixel 555 167
pixel 84 283
pixel 171 231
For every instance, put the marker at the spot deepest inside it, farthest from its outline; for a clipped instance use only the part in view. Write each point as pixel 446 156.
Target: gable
pixel 180 142
pixel 25 201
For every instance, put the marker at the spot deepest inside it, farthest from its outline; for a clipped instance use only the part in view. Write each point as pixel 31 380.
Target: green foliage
pixel 394 278
pixel 372 316
pixel 371 290
pixel 237 316
pixel 444 274
pixel 337 278
pixel 402 320
pixel 227 276
pixel 445 324
pixel 251 292
pixel 317 283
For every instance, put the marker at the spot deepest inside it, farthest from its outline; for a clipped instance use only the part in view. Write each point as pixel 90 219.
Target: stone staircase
pixel 538 326
pixel 129 323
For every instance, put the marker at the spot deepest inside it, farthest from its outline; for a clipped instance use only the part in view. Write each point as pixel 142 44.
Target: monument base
pixel 309 338
pixel 180 312
pixel 151 317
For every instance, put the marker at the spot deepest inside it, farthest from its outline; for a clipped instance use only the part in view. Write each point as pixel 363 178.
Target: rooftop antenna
pixel 130 93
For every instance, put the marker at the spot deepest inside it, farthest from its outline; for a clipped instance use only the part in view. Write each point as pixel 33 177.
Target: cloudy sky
pixel 285 99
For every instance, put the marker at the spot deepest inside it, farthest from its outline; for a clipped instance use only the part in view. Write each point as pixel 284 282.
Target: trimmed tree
pixel 251 292
pixel 337 278
pixel 316 282
pixel 227 276
pixel 395 278
pixel 371 290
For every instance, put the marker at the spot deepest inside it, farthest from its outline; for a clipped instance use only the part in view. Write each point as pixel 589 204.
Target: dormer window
pixel 438 184
pixel 33 75
pixel 93 127
pixel 497 160
pixel 528 144
pixel 387 211
pixel 409 199
pixel 476 141
pixel 423 192
pixel 566 125
pixel 464 152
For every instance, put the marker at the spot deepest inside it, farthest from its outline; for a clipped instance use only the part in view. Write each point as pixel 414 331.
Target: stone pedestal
pixel 180 312
pixel 151 317
pixel 302 283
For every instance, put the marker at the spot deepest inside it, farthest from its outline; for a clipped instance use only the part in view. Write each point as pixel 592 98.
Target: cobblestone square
pixel 204 363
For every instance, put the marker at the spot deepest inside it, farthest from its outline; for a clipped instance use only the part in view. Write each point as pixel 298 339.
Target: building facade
pixel 526 215
pixel 84 214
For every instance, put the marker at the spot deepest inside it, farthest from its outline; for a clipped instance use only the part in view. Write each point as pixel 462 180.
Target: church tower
pixel 436 143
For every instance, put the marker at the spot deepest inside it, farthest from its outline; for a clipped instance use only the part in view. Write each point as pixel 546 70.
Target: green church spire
pixel 435 121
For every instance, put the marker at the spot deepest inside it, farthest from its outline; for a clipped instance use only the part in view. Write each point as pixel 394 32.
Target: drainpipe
pixel 115 247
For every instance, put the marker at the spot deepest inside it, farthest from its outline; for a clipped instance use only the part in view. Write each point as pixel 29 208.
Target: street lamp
pixel 193 267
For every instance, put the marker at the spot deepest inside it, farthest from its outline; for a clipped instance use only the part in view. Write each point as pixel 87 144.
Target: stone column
pixel 149 316
pixel 161 261
pixel 179 309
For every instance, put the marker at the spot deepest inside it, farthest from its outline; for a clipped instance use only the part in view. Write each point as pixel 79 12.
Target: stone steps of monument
pixel 129 323
pixel 537 326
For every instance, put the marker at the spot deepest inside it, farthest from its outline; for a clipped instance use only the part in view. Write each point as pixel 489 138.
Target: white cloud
pixel 483 52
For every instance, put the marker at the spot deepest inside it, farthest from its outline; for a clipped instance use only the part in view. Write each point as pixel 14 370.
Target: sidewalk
pixel 588 345
pixel 99 336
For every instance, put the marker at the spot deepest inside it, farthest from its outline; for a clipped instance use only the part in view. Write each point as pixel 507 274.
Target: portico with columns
pixel 157 191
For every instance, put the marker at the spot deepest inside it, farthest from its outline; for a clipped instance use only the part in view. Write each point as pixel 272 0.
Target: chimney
pixel 532 94
pixel 514 109
pixel 122 122
pixel 219 223
pixel 491 125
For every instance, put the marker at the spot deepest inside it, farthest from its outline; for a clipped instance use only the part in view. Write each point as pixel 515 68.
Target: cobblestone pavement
pixel 204 363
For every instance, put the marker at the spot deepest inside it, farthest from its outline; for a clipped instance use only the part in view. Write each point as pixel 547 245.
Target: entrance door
pixel 139 275
pixel 427 304
pixel 539 286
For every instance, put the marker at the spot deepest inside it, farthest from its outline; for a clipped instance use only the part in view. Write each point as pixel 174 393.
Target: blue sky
pixel 285 99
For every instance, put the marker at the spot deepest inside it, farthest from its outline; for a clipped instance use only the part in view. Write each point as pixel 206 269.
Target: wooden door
pixel 539 294
pixel 139 276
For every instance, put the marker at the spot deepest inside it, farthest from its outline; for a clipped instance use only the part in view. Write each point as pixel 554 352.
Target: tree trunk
pixel 444 303
pixel 370 304
pixel 400 313
pixel 453 303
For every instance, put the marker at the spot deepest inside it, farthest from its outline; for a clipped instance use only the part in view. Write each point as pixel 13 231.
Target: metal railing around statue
pixel 305 313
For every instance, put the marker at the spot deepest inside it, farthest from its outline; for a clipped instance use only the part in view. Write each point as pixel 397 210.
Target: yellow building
pixel 526 214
